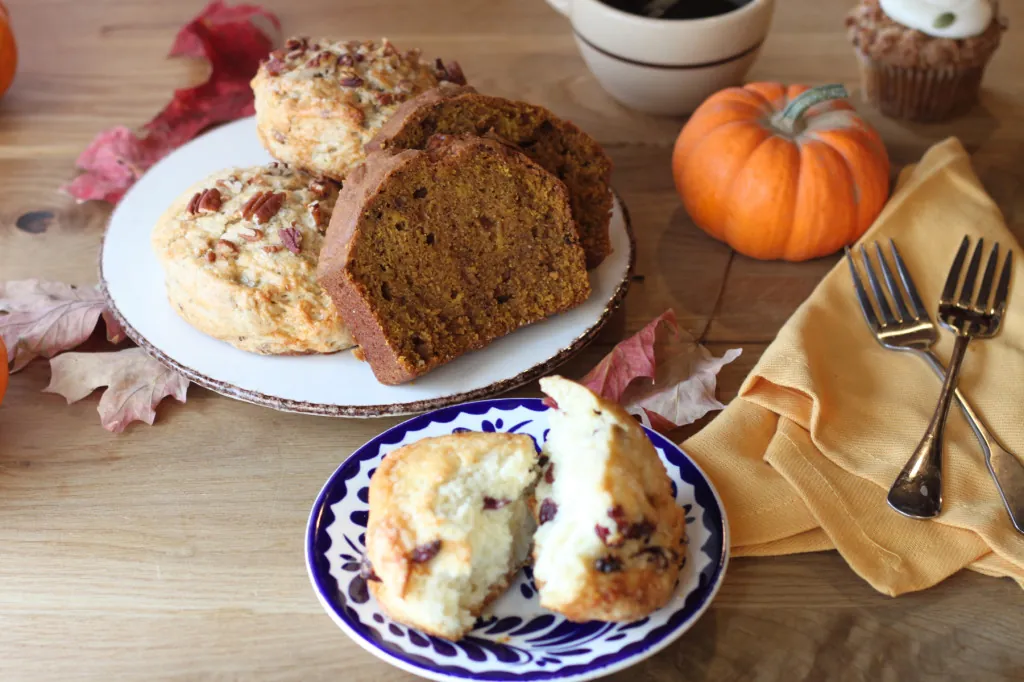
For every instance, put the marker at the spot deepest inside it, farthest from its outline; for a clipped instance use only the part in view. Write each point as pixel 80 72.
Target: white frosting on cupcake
pixel 942 18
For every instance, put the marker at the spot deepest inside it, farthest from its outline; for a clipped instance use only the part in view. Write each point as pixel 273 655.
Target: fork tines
pixel 907 301
pixel 981 303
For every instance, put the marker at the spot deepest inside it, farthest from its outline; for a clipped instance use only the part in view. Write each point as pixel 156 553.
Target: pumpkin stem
pixel 790 119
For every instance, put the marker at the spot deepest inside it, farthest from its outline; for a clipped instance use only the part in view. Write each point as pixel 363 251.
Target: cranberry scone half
pixel 449 527
pixel 610 539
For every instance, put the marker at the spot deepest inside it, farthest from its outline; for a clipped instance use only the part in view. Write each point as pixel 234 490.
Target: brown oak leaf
pixel 136 383
pixel 661 375
pixel 40 318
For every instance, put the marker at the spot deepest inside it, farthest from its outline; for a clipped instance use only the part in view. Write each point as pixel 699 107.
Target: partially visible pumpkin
pixel 781 172
pixel 3 370
pixel 8 51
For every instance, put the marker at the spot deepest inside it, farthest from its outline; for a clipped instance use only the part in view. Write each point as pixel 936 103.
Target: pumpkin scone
pixel 448 527
pixel 319 101
pixel 239 252
pixel 434 253
pixel 610 538
pixel 557 145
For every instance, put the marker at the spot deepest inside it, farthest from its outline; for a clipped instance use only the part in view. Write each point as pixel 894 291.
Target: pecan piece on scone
pixel 323 186
pixel 318 215
pixel 205 201
pixel 450 72
pixel 262 206
pixel 225 247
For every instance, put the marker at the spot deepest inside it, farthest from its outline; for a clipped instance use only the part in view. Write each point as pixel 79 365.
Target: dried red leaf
pixel 680 375
pixel 233 40
pixel 631 359
pixel 217 13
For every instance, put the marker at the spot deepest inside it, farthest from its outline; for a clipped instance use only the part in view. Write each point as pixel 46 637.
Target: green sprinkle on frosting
pixel 944 20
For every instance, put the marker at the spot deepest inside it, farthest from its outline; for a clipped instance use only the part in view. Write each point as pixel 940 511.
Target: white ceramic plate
pixel 333 385
pixel 516 640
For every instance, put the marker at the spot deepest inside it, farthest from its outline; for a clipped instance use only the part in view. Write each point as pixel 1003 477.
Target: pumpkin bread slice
pixel 433 253
pixel 557 145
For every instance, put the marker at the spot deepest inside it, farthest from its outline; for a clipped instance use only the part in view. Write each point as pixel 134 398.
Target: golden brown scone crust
pixel 233 276
pixel 318 101
pixel 426 499
pixel 623 541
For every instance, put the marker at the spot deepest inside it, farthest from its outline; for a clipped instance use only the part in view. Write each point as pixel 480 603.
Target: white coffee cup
pixel 666 66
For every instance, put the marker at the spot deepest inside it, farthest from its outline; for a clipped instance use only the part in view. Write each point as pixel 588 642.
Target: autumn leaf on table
pixel 661 375
pixel 233 40
pixel 136 383
pixel 40 318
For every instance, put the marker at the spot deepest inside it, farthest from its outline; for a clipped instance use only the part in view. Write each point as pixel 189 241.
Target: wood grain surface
pixel 174 552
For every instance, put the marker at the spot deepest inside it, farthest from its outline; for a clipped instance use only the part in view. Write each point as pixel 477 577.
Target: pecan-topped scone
pixel 610 538
pixel 318 101
pixel 240 251
pixel 448 527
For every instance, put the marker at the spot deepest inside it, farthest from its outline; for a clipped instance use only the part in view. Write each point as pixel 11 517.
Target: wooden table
pixel 174 552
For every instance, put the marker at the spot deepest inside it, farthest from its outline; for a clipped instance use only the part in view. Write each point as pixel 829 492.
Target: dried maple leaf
pixel 679 398
pixel 630 359
pixel 233 40
pixel 45 318
pixel 135 383
pixel 661 375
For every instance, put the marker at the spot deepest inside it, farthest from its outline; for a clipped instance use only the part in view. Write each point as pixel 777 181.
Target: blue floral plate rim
pixel 329 593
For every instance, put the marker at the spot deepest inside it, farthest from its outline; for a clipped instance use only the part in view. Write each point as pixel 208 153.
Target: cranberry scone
pixel 449 526
pixel 610 538
pixel 318 101
pixel 240 251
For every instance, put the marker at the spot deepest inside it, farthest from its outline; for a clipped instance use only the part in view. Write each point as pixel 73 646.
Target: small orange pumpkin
pixel 3 370
pixel 781 172
pixel 8 51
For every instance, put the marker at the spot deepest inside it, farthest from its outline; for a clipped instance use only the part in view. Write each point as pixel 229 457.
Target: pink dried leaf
pixel 45 318
pixel 631 359
pixel 40 318
pixel 136 383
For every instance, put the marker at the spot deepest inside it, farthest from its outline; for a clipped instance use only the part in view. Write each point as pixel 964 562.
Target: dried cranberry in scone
pixel 608 525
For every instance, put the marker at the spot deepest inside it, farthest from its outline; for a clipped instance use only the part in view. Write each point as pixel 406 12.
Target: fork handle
pixel 1006 469
pixel 917 491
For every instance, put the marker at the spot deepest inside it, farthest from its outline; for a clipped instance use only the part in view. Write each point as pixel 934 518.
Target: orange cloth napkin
pixel 804 457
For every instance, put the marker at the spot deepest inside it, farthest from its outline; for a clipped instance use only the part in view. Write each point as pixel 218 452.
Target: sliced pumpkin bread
pixel 436 252
pixel 557 145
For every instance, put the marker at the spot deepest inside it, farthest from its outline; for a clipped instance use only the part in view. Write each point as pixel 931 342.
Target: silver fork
pixel 910 328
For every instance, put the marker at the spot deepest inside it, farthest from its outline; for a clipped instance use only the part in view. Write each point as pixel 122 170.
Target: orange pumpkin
pixel 781 172
pixel 8 51
pixel 3 370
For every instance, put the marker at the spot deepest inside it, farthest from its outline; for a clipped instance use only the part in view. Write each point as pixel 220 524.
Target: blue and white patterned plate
pixel 516 639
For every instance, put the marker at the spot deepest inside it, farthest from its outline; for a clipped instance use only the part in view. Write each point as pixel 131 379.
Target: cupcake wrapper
pixel 924 95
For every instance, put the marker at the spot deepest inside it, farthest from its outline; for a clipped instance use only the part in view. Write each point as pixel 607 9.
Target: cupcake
pixel 923 60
